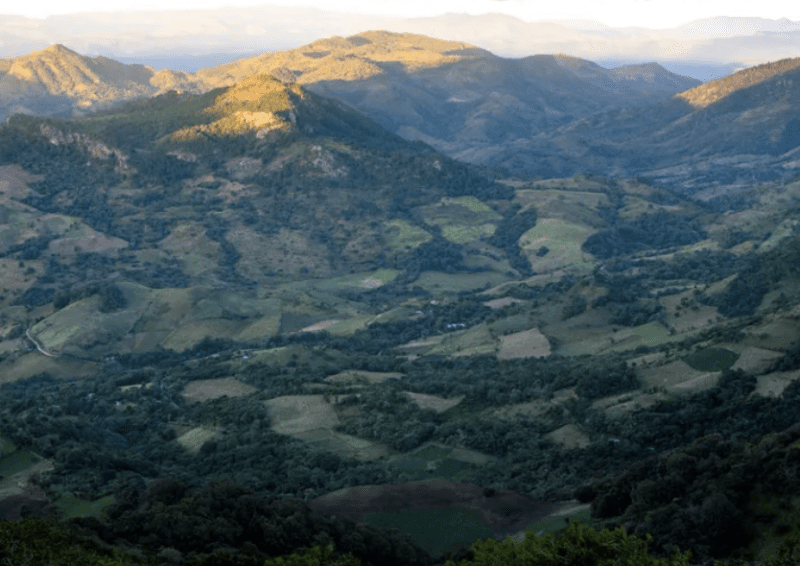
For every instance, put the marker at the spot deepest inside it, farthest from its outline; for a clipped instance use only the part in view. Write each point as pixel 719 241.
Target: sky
pixel 645 13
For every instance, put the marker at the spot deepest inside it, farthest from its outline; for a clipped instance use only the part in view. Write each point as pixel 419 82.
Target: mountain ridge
pixel 60 81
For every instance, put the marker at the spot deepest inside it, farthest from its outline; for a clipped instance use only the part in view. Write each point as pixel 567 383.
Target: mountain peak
pixel 57 49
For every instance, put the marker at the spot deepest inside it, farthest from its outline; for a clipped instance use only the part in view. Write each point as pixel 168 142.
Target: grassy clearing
pixel 461 220
pixel 349 326
pixel 575 206
pixel 628 402
pixel 344 444
pixel 293 414
pixel 34 363
pixel 72 506
pixel 526 344
pixel 433 402
pixel 192 333
pixel 563 240
pixel 194 439
pixel 436 530
pixel 677 377
pixel 437 282
pixel 651 334
pixel 569 436
pixel 360 377
pixel 784 230
pixel 755 360
pixel 278 356
pixel 773 384
pixel 472 341
pixel 189 243
pixel 311 418
pixel 353 282
pixel 17 461
pixel 402 237
pixel 207 389
pixel 558 520
pixel 261 329
pixel 777 334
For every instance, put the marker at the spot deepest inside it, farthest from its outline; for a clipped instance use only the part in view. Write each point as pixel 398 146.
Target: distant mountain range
pixel 443 92
pixel 730 132
pixel 453 94
pixel 190 40
pixel 545 115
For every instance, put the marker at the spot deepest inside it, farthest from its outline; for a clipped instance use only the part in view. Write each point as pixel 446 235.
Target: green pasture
pixel 462 220
pixel 436 530
pixel 437 282
pixel 711 359
pixel 72 506
pixel 563 240
pixel 16 462
pixel 401 237
pixel 555 523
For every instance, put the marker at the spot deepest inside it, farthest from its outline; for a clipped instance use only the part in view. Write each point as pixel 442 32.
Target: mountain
pixel 215 306
pixel 454 95
pixel 726 132
pixel 191 40
pixel 238 189
pixel 449 94
pixel 59 82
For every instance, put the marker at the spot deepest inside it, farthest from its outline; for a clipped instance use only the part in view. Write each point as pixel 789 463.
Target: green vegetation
pixel 711 359
pixel 436 530
pixel 576 545
pixel 260 285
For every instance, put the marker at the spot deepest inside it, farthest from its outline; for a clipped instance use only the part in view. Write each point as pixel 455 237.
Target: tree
pixel 576 545
pixel 315 556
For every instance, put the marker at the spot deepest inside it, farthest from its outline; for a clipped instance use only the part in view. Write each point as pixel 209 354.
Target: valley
pixel 257 291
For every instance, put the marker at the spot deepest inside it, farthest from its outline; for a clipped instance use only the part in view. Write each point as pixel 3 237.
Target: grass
pixel 433 402
pixel 342 444
pixel 292 414
pixel 207 389
pixel 556 522
pixel 563 240
pixel 569 436
pixel 437 282
pixel 17 461
pixel 472 341
pixel 462 220
pixel 401 237
pixel 435 530
pixel 711 359
pixel 526 344
pixel 194 439
pixel 72 506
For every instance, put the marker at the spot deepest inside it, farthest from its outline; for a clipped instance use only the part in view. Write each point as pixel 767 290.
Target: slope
pixel 454 95
pixel 179 217
pixel 59 81
pixel 728 132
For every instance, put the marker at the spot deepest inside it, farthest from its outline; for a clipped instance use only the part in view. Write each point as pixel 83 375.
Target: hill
pixel 261 284
pixel 454 95
pixel 234 191
pixel 59 82
pixel 728 132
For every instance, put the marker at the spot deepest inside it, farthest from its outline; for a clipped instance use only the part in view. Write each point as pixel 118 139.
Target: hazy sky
pixel 647 13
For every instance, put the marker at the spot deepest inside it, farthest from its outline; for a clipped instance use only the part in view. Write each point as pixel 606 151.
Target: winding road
pixel 38 346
